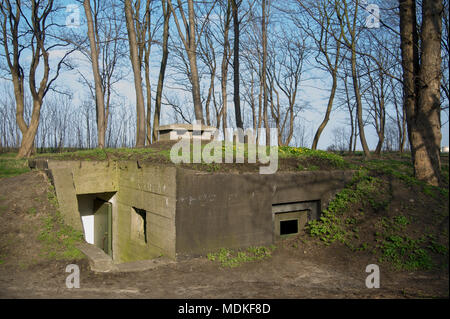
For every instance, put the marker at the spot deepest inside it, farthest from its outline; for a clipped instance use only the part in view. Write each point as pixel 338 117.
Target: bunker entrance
pixel 96 216
pixel 290 218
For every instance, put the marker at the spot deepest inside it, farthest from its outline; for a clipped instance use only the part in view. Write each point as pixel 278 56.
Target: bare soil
pixel 300 267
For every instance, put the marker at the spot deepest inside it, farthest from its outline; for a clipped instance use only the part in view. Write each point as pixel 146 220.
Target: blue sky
pixel 313 92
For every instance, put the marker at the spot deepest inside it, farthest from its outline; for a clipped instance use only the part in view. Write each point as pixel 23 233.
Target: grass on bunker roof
pixel 289 158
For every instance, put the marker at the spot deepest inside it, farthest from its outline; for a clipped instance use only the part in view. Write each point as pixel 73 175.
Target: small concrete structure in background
pixel 445 149
pixel 174 132
pixel 133 210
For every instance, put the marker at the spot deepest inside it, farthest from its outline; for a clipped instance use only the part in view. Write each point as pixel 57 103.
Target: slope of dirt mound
pixel 31 230
pixel 23 203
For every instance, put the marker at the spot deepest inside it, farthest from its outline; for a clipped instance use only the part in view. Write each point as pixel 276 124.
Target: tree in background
pixel 421 62
pixel 189 39
pixel 27 27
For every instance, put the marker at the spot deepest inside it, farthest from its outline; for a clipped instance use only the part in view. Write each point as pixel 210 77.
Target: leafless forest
pixel 227 63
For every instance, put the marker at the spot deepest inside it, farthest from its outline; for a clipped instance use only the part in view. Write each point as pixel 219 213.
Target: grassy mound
pixel 387 212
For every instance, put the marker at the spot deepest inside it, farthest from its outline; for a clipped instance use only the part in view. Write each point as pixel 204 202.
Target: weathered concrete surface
pixel 67 199
pixel 78 177
pixel 99 261
pixel 187 212
pixel 153 189
pixel 235 210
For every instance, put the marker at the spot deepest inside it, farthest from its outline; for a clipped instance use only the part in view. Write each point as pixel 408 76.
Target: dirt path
pixel 285 275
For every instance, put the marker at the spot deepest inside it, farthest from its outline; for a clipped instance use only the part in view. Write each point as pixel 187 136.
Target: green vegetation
pixel 230 258
pixel 12 167
pixel 363 189
pixel 59 239
pixel 403 171
pixel 398 239
pixel 398 248
pixel 334 160
pixel 32 211
pixel 308 159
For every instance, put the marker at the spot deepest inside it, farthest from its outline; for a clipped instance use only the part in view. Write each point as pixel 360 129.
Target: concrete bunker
pixel 158 209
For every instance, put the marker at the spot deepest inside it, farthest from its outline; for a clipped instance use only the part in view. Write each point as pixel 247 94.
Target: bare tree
pixel 162 69
pixel 235 5
pixel 189 40
pixel 136 65
pixel 30 29
pixel 347 16
pixel 323 32
pixel 105 52
pixel 264 18
pixel 286 59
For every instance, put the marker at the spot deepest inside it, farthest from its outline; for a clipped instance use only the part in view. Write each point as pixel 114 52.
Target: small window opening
pixel 139 225
pixel 288 227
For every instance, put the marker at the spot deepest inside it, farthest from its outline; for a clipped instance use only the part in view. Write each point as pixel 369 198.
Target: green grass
pixel 395 239
pixel 100 154
pixel 58 239
pixel 32 211
pixel 12 167
pixel 335 160
pixel 331 226
pixel 230 258
pixel 403 171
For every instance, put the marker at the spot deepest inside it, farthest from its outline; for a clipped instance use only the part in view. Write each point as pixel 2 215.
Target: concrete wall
pixel 187 212
pixel 80 177
pixel 153 189
pixel 235 210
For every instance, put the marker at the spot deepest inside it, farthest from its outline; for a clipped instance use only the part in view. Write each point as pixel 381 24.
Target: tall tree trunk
pixel 148 91
pixel 162 70
pixel 264 70
pixel 136 65
pixel 192 55
pixel 223 85
pixel 224 67
pixel 236 75
pixel 421 86
pixel 27 146
pixel 359 109
pixel 99 94
pixel 190 45
pixel 427 158
pixel 410 65
pixel 327 112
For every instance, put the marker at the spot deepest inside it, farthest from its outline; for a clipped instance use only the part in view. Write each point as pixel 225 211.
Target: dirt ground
pixel 297 269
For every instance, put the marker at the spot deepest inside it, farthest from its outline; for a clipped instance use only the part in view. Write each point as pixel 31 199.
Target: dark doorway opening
pixel 139 227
